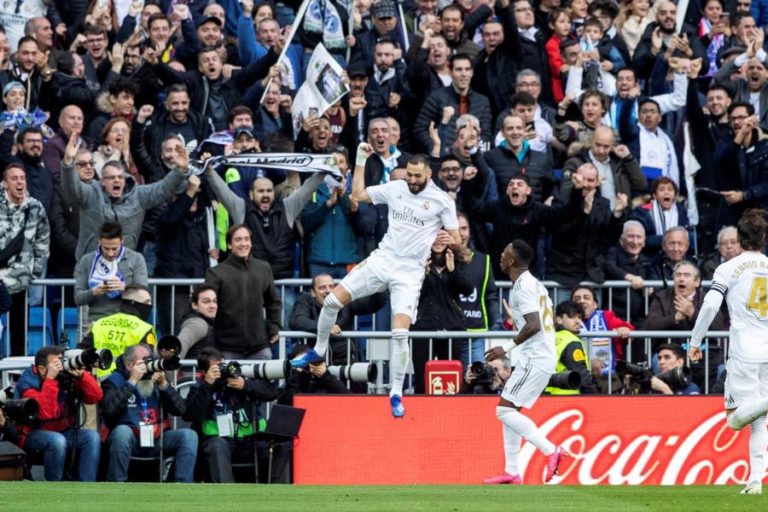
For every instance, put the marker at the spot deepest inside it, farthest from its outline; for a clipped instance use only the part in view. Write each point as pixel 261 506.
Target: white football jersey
pixel 743 281
pixel 528 295
pixel 414 219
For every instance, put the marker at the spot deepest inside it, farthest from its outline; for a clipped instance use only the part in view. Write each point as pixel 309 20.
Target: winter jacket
pixel 156 129
pixel 96 207
pixel 627 177
pixel 272 232
pixel 65 225
pixel 31 261
pixel 56 404
pixel 432 111
pixel 182 242
pixel 246 291
pixel 332 240
pixel 39 180
pixel 535 165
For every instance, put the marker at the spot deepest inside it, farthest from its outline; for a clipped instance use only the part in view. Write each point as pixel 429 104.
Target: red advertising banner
pixel 350 440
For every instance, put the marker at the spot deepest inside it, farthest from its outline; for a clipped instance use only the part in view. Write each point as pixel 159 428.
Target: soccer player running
pixel 743 281
pixel 531 311
pixel 418 211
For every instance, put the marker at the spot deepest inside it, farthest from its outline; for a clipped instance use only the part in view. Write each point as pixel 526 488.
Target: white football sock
pixel 326 321
pixel 747 413
pixel 512 442
pixel 758 443
pixel 399 360
pixel 525 427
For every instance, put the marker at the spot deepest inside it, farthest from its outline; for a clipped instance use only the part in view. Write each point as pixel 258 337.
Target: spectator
pixel 112 197
pixel 118 101
pixel 674 249
pixel 570 350
pixel 125 327
pixel 136 402
pixel 603 352
pixel 224 414
pixel 676 308
pixel 727 247
pixel 495 65
pixel 626 261
pixel 439 307
pixel 70 121
pixel 579 244
pixel 58 393
pixel 618 170
pixel 429 68
pixel 576 135
pixel 529 43
pixel 177 118
pixel 102 276
pixel 445 104
pixel 29 151
pixel 24 244
pixel 388 92
pixel 664 211
pixel 244 287
pixel 314 379
pixel 196 332
pixel 28 71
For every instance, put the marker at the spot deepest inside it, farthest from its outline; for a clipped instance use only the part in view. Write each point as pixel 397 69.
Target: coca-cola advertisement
pixel 637 440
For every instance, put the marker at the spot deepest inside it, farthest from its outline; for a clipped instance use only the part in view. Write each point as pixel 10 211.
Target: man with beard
pixel 388 90
pixel 30 153
pixel 136 407
pixel 627 262
pixel 176 118
pixel 112 198
pixel 446 104
pixel 417 211
pixel 707 130
pixel 753 88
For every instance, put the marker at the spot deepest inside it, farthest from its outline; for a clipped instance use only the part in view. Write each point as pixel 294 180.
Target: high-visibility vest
pixel 563 338
pixel 118 332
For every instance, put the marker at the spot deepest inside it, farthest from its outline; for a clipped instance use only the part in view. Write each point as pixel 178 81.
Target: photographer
pixel 672 356
pixel 224 412
pixel 56 431
pixel 132 412
pixel 570 350
pixel 486 378
pixel 315 379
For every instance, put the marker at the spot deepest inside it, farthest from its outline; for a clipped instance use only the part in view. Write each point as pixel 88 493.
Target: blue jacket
pixel 251 50
pixel 329 230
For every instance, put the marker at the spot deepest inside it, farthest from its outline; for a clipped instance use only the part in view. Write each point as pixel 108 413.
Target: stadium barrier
pixel 458 440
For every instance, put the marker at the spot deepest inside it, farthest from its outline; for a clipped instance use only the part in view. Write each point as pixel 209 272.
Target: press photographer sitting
pixel 674 378
pixel 571 353
pixel 135 400
pixel 56 432
pixel 486 378
pixel 223 408
pixel 315 379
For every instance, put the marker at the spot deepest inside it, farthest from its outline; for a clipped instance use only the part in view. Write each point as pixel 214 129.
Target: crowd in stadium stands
pixel 109 106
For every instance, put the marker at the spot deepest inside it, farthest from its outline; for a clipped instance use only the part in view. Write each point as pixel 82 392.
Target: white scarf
pixel 383 77
pixel 658 153
pixel 103 270
pixel 529 33
pixel 322 16
pixel 663 219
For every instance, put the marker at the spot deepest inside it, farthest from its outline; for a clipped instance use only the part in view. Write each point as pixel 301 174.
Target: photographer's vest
pixel 563 338
pixel 243 426
pixel 118 332
pixel 478 272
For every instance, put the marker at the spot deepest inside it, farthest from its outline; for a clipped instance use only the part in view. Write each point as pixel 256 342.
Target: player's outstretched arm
pixel 359 193
pixel 709 308
pixel 531 327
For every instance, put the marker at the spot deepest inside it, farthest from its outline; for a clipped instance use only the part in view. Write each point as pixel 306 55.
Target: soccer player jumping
pixel 743 281
pixel 418 211
pixel 531 310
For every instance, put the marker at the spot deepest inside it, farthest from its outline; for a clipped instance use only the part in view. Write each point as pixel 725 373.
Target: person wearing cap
pixel 648 142
pixel 355 104
pixel 385 22
pixel 515 214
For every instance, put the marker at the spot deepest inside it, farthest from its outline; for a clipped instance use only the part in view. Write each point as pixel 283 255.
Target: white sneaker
pixel 753 488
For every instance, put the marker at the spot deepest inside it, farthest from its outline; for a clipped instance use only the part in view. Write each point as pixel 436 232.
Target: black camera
pixel 570 379
pixel 639 372
pixel 87 359
pixel 24 410
pixel 676 378
pixel 230 370
pixel 483 373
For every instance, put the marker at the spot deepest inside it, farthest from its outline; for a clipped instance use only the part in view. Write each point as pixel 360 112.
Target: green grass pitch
pixel 55 497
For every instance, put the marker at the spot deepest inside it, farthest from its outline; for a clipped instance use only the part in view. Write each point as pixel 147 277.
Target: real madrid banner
pixel 299 162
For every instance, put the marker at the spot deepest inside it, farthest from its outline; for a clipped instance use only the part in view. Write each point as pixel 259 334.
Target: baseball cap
pixel 244 130
pixel 383 9
pixel 357 69
pixel 205 19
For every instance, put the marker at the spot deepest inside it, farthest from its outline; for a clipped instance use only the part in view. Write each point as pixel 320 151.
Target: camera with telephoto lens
pixel 87 359
pixel 483 373
pixel 24 410
pixel 570 379
pixel 357 372
pixel 161 365
pixel 267 370
pixel 230 370
pixel 676 378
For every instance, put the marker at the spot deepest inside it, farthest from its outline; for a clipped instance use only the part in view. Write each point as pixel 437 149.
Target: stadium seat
pixel 40 329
